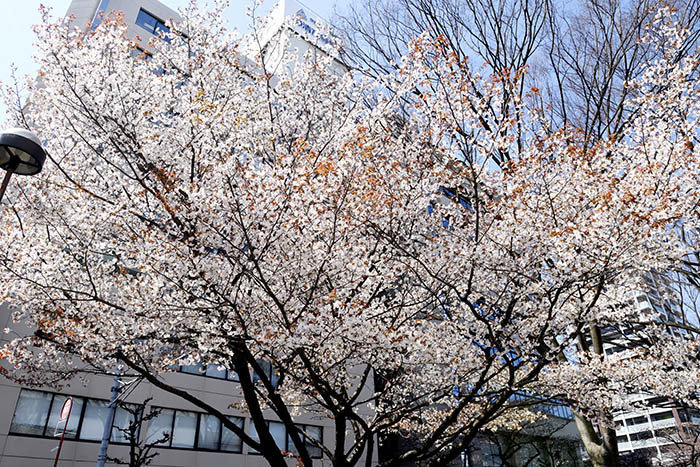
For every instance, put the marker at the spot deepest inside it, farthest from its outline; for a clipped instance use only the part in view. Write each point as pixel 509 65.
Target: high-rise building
pixel 658 430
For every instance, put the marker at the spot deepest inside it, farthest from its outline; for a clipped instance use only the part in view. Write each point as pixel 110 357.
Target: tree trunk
pixel 602 449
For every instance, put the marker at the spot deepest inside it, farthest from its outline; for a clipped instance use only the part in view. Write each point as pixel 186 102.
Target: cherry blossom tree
pixel 199 209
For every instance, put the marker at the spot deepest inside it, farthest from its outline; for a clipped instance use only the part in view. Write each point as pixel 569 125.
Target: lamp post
pixel 107 432
pixel 20 153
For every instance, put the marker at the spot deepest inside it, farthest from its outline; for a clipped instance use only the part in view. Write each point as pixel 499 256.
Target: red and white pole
pixel 65 413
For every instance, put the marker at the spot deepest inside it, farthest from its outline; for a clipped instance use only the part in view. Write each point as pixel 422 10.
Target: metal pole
pixel 107 433
pixel 65 426
pixel 6 180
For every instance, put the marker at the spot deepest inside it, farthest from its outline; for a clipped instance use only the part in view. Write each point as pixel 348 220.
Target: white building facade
pixel 659 429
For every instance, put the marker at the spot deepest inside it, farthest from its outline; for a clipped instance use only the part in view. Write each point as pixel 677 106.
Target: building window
pixel 230 441
pixel 657 417
pixel 284 442
pixel 160 428
pixel 184 430
pixel 641 436
pixel 150 23
pixel 55 426
pixel 192 430
pixel 269 371
pixel 215 370
pixel 96 412
pixel 212 370
pixel 37 413
pixel 315 433
pixel 209 432
pixel 637 420
pixel 122 419
pixel 31 413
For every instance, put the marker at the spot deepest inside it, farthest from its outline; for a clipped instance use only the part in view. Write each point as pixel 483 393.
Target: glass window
pixel 55 426
pixel 209 431
pixel 122 419
pixel 162 28
pixel 232 375
pixel 315 432
pixel 279 434
pixel 147 21
pixel 96 413
pixel 268 370
pixel 184 429
pixel 216 371
pixel 229 440
pixel 637 420
pixel 641 436
pixel 253 434
pixel 265 367
pixel 196 369
pixel 31 412
pixel 661 416
pixel 150 23
pixel 159 426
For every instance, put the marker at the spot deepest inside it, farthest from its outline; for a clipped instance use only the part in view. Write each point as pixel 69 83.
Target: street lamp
pixel 20 153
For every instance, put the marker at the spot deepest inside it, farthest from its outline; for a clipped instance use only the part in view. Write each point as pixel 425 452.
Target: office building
pixel 658 429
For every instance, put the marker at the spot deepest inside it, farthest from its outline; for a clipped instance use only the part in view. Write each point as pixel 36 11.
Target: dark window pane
pixel 31 412
pixel 269 371
pixel 55 426
pixel 641 436
pixel 637 420
pixel 146 21
pixel 265 368
pixel 196 369
pixel 229 440
pixel 314 432
pixel 160 426
pixel 290 443
pixel 184 429
pixel 96 412
pixel 209 429
pixel 216 371
pixel 661 416
pixel 162 28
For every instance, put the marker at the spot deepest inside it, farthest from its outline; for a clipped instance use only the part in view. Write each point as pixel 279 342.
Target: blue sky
pixel 18 16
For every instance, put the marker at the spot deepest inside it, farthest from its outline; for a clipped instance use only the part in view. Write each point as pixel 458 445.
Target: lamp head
pixel 21 151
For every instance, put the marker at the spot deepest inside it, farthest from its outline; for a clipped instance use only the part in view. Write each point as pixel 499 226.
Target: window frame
pixel 203 372
pixel 46 430
pixel 287 438
pixel 195 446
pixel 157 28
